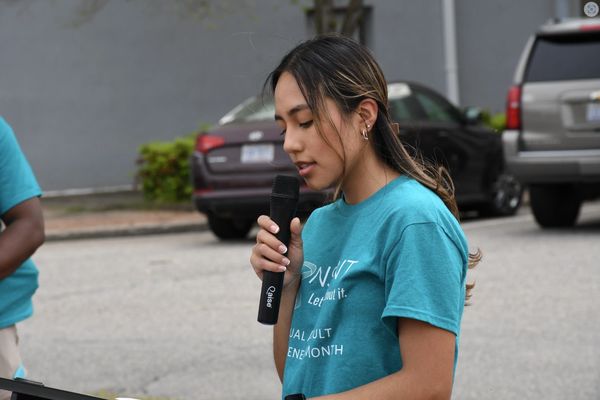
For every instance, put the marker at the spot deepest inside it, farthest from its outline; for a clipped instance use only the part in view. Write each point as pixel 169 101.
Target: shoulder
pixel 8 141
pixel 410 202
pixel 413 205
pixel 6 132
pixel 17 181
pixel 5 129
pixel 10 151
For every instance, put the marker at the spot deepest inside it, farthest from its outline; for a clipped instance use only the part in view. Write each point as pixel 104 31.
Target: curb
pixel 142 230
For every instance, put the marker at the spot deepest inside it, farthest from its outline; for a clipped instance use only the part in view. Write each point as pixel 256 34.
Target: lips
pixel 304 168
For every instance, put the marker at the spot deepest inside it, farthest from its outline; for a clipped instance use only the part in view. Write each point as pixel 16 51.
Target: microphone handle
pixel 283 209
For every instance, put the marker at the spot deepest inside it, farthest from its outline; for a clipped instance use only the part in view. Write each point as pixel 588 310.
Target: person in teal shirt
pixel 375 282
pixel 23 233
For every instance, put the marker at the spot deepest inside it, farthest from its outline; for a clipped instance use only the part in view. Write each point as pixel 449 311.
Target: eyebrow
pixel 293 111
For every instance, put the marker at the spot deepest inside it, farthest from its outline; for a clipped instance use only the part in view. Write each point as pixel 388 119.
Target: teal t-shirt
pixel 399 253
pixel 17 184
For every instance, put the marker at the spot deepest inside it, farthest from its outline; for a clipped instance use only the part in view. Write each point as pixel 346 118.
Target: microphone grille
pixel 287 186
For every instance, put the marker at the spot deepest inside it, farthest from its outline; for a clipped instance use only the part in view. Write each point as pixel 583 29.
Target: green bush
pixel 496 121
pixel 164 170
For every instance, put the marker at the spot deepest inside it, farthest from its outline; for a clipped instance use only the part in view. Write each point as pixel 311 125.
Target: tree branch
pixel 325 21
pixel 353 17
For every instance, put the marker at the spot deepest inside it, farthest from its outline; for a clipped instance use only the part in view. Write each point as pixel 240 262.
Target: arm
pixel 266 255
pixel 428 362
pixel 281 331
pixel 24 233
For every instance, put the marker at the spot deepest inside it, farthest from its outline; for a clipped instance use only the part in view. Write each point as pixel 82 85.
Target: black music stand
pixel 23 389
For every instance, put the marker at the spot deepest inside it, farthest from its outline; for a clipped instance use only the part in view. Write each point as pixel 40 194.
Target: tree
pixel 327 17
pixel 330 16
pixel 201 10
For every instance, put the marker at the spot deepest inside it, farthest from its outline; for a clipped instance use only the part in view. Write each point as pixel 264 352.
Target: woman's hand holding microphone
pixel 268 253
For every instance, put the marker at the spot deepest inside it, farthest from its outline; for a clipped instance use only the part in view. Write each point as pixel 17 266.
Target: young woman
pixel 374 283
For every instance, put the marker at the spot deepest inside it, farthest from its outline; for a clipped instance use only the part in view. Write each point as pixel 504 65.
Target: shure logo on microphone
pixel 270 292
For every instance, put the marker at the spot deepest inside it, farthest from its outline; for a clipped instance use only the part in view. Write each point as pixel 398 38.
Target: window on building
pixel 361 33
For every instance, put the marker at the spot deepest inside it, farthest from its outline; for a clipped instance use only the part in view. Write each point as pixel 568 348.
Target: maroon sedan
pixel 234 165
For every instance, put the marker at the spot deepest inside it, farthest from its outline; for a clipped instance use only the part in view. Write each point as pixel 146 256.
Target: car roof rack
pixel 569 25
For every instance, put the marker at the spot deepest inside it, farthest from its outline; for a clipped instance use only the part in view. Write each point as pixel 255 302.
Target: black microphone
pixel 284 201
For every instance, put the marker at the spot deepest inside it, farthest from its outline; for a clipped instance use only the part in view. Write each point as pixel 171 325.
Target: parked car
pixel 234 164
pixel 552 141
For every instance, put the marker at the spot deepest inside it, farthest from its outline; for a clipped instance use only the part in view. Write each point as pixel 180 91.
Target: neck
pixel 366 177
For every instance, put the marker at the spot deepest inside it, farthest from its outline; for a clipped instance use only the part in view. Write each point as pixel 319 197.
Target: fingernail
pixel 286 261
pixel 274 228
pixel 282 268
pixel 282 249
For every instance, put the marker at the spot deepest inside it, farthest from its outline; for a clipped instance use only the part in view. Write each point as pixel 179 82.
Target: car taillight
pixel 205 143
pixel 586 28
pixel 513 108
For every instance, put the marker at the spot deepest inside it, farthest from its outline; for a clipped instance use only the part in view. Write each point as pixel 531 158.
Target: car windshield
pixel 253 109
pixel 568 57
pixel 402 101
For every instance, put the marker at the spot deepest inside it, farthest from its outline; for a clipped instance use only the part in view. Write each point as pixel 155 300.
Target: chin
pixel 319 184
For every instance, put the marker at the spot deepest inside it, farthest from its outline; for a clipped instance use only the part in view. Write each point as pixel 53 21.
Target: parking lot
pixel 175 316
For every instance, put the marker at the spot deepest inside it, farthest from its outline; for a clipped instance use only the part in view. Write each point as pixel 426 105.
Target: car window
pixel 253 109
pixel 436 109
pixel 405 109
pixel 402 103
pixel 570 57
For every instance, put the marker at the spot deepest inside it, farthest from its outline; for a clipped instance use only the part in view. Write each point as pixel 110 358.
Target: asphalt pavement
pixel 174 316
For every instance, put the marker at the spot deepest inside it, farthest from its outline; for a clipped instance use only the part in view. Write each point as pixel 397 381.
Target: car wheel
pixel 505 197
pixel 555 206
pixel 229 228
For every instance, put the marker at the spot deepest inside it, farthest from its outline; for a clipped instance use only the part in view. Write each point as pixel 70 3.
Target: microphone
pixel 284 201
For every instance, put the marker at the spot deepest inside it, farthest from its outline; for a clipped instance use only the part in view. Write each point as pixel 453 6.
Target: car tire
pixel 505 197
pixel 229 228
pixel 555 206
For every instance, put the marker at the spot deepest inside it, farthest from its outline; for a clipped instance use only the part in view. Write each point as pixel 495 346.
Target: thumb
pixel 296 233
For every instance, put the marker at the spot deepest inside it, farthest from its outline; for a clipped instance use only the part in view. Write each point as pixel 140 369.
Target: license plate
pixel 593 112
pixel 257 153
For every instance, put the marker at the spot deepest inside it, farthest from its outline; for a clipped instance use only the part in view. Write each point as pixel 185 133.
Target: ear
pixel 367 110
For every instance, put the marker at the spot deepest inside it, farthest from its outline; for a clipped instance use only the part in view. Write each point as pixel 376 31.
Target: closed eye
pixel 303 125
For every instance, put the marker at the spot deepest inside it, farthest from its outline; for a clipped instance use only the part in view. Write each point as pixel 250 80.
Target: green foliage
pixel 495 121
pixel 498 122
pixel 164 170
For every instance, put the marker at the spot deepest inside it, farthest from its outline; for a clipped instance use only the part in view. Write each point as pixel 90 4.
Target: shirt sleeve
pixel 425 278
pixel 17 181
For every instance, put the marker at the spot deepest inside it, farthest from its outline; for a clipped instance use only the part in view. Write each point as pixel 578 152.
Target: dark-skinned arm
pixel 23 235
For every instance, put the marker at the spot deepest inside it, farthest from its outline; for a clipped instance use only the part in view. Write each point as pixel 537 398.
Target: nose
pixel 292 142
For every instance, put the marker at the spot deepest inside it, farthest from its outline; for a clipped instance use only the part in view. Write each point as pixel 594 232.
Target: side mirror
pixel 473 115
